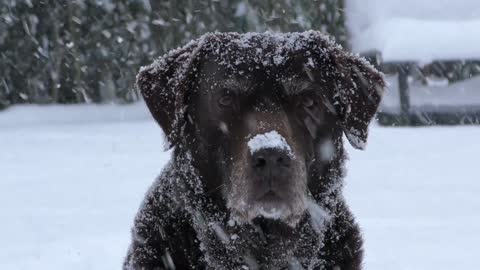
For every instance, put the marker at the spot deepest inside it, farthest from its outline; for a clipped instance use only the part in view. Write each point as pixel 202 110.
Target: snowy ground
pixel 71 184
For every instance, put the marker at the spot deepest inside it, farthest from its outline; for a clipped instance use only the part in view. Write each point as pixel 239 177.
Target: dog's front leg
pixel 343 242
pixel 162 238
pixel 149 248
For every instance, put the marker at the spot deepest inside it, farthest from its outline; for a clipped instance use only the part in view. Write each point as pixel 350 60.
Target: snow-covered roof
pixel 420 31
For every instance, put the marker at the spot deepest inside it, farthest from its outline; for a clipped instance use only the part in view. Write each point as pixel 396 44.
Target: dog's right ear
pixel 164 84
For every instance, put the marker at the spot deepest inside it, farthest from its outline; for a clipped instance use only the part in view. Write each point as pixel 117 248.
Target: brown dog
pixel 256 121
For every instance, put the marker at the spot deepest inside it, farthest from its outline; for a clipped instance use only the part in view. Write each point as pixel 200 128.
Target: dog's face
pixel 261 133
pixel 262 121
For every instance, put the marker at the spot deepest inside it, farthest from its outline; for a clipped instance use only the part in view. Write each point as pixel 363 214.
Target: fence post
pixel 404 92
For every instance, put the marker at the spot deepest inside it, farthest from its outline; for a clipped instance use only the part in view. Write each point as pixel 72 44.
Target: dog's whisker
pixel 311 127
pixel 215 189
pixel 314 117
pixel 327 103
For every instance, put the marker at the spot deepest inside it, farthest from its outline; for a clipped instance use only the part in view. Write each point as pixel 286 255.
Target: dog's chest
pixel 250 247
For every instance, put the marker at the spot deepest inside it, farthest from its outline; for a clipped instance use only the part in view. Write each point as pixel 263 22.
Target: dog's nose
pixel 270 159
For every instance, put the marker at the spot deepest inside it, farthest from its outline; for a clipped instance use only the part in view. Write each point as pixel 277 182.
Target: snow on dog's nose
pixel 269 140
pixel 271 157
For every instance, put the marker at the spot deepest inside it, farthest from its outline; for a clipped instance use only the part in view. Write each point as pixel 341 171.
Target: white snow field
pixel 71 179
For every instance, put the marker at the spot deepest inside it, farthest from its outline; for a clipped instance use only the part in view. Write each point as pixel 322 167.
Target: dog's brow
pixel 295 86
pixel 238 85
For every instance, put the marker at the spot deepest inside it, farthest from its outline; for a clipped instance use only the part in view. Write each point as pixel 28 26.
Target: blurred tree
pixel 56 51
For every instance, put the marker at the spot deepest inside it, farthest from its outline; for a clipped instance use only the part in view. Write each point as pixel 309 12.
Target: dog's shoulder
pixel 162 231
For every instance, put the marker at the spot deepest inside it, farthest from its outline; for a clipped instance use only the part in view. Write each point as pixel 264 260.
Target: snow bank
pixel 423 41
pixel 362 14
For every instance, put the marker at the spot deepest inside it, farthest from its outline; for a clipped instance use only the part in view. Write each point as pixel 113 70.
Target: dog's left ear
pixel 358 91
pixel 352 87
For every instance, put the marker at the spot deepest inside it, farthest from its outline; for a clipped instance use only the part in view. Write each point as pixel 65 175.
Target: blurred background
pixel 78 147
pixel 89 51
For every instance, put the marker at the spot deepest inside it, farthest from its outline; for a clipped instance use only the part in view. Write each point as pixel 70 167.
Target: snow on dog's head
pixel 263 115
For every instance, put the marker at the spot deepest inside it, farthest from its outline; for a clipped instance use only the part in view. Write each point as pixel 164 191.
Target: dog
pixel 256 123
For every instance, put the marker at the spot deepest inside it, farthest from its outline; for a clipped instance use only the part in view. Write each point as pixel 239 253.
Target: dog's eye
pixel 226 100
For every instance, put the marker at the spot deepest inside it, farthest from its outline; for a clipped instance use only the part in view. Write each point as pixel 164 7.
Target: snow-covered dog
pixel 255 181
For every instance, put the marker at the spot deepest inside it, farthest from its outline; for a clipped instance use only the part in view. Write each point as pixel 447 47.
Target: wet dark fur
pixel 176 223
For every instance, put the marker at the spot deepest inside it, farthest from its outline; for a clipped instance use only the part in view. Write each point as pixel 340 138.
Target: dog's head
pixel 261 113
